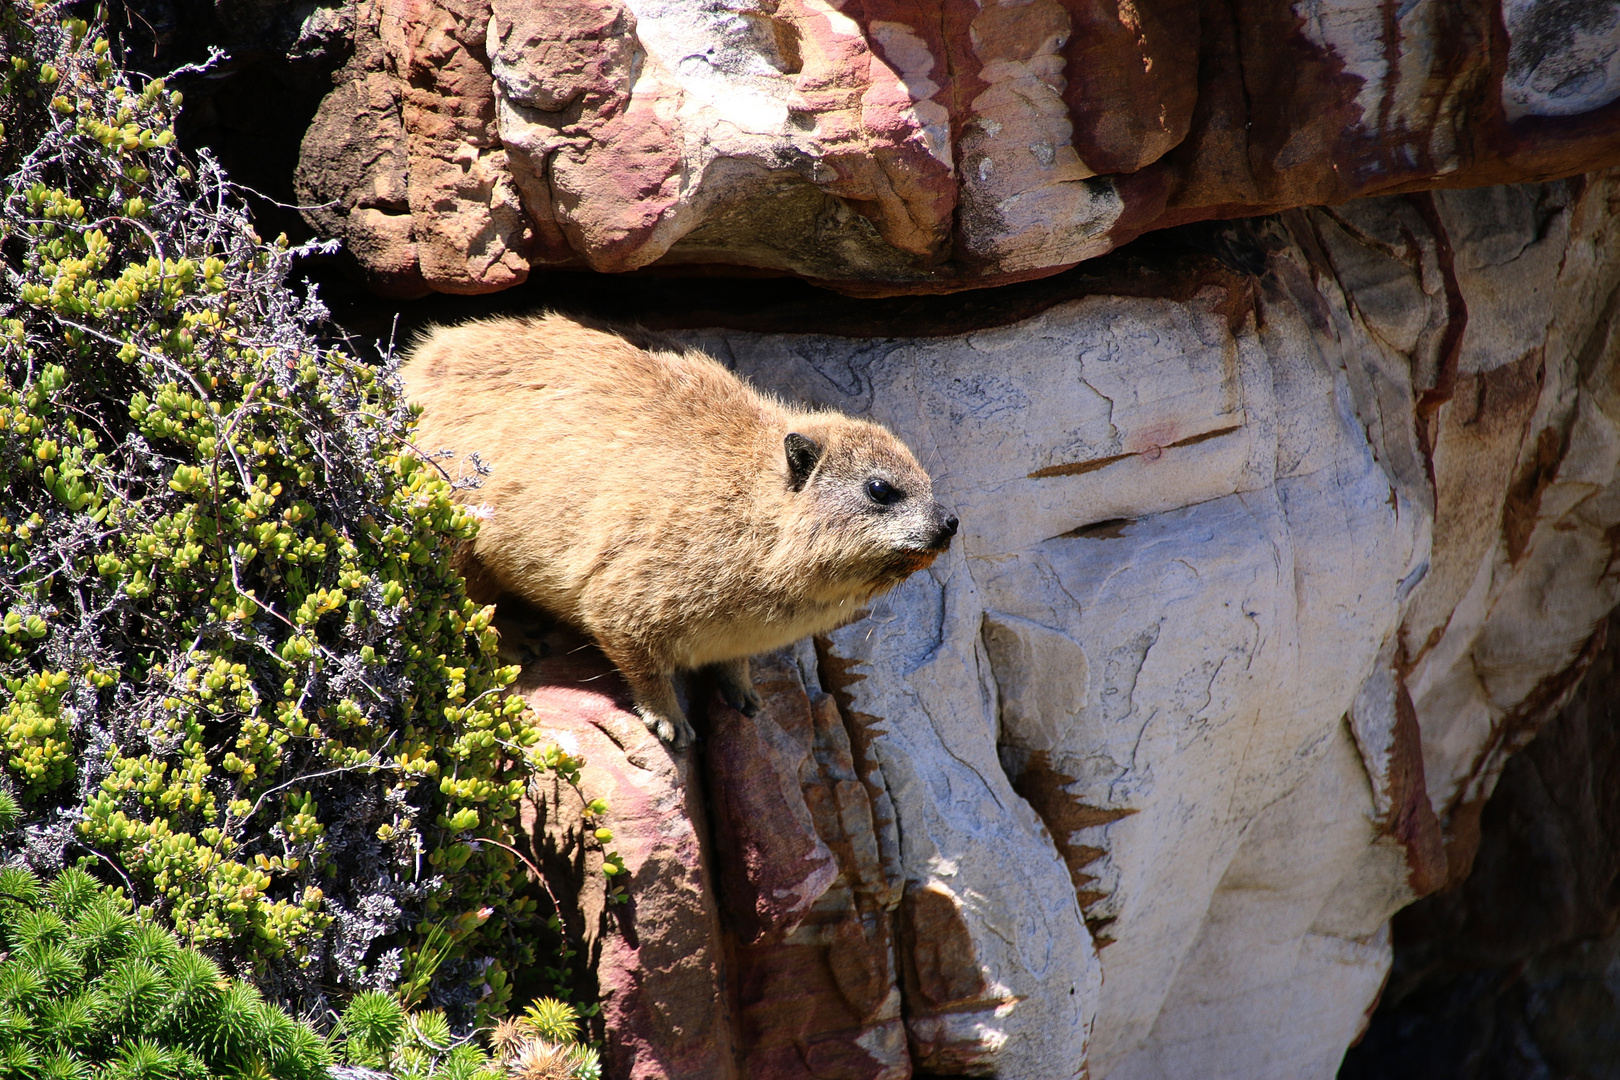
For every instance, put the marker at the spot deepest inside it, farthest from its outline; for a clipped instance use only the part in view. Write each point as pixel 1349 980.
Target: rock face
pixel 883 146
pixel 767 949
pixel 657 960
pixel 403 159
pixel 1512 975
pixel 1268 563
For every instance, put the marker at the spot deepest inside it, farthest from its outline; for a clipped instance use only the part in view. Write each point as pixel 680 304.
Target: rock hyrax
pixel 659 503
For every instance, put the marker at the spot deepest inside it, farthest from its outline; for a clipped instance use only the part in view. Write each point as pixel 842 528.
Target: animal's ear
pixel 802 454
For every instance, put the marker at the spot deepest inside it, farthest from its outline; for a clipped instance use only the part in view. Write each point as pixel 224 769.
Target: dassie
pixel 656 501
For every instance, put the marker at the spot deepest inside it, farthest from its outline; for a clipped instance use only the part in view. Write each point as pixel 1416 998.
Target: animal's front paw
pixel 736 686
pixel 673 728
pixel 745 699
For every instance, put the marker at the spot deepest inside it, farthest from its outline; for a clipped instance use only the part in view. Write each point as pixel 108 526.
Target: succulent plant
pixel 237 667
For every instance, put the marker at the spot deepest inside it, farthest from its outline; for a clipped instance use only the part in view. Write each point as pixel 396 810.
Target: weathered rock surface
pixel 658 959
pixel 811 881
pixel 1224 562
pixel 1268 564
pixel 1513 975
pixel 888 146
pixel 403 159
pixel 769 949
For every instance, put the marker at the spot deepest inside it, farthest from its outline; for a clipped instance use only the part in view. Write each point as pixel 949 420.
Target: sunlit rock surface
pixel 891 146
pixel 1259 584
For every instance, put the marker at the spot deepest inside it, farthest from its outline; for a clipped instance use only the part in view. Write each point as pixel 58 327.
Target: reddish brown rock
pixel 803 909
pixel 354 171
pixel 892 146
pixel 780 866
pixel 596 166
pixel 796 840
pixel 657 959
pixel 408 135
pixel 1133 80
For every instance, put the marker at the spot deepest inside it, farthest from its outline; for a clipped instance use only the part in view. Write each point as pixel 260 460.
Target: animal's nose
pixel 950 525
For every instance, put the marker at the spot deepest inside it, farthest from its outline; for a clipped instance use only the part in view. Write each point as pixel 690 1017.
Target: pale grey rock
pixel 1564 56
pixel 1248 607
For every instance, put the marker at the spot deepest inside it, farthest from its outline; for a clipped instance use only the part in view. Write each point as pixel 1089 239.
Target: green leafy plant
pixel 553 760
pixel 90 990
pixel 556 763
pixel 236 665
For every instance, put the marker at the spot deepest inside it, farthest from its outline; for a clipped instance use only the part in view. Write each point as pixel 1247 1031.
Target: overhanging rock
pixel 891 147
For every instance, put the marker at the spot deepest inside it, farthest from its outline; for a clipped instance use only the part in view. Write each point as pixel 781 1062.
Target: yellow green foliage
pixel 543 1044
pixel 233 647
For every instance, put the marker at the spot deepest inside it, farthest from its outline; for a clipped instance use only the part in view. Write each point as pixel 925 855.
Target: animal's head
pixel 875 517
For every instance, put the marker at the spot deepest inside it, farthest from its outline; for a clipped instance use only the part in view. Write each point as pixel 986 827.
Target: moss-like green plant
pixel 378 1033
pixel 373 1024
pixel 552 1020
pixel 232 645
pixel 540 1044
pixel 87 991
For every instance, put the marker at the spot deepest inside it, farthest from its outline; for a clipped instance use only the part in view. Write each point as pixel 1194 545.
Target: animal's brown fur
pixel 655 500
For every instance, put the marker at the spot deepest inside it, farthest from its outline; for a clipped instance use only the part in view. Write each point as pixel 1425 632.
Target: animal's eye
pixel 883 493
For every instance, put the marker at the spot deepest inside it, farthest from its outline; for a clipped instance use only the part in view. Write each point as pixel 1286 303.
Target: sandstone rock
pixel 409 130
pixel 766 951
pixel 887 146
pixel 805 832
pixel 658 958
pixel 1213 615
pixel 1269 562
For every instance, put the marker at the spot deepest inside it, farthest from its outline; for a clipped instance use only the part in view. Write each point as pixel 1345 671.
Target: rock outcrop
pixel 1269 561
pixel 887 147
pixel 658 959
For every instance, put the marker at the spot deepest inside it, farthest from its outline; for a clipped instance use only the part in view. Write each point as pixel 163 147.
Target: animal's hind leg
pixel 656 703
pixel 737 686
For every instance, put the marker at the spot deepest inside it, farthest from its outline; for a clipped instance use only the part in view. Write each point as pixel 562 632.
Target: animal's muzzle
pixel 945 529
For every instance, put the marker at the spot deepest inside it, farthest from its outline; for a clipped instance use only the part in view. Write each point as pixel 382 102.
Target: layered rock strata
pixel 1262 578
pixel 658 960
pixel 883 146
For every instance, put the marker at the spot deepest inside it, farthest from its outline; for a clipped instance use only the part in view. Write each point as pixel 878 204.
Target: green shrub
pixel 89 990
pixel 236 666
